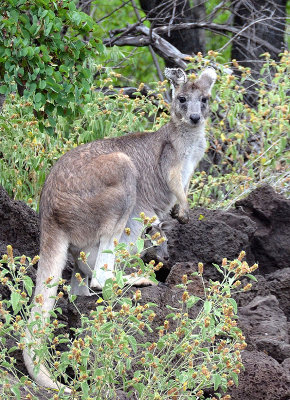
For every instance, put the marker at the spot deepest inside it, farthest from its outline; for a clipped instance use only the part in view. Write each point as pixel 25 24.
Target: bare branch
pixel 144 40
pixel 221 28
pixel 216 9
pixel 172 17
pixel 160 45
pixel 115 10
pixel 156 63
pixel 129 29
pixel 257 39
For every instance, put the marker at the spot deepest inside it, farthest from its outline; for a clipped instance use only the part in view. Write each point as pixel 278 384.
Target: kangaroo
pixel 95 190
pixel 152 251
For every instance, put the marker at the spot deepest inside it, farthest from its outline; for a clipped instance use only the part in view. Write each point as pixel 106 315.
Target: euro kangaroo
pixel 95 190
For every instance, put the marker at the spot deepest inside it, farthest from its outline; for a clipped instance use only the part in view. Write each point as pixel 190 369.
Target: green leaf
pixel 250 276
pixel 14 348
pixel 42 84
pixel 119 278
pixel 72 298
pixel 234 304
pixel 15 298
pixel 38 98
pixel 218 268
pixel 16 391
pixel 133 343
pixel 191 301
pixel 108 289
pixel 207 306
pixel 140 387
pixel 4 89
pixel 28 285
pixel 48 28
pixel 217 380
pixel 52 121
pixel 235 378
pixel 140 245
pixel 85 390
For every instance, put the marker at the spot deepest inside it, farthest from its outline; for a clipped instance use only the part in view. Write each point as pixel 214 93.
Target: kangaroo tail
pixel 51 265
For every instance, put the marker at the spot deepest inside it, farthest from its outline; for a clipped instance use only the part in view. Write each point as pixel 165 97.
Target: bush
pixel 27 154
pixel 109 351
pixel 44 56
pixel 247 145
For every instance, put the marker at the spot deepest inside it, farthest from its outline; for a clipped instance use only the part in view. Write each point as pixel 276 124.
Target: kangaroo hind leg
pixel 104 264
pixel 119 198
pixel 52 261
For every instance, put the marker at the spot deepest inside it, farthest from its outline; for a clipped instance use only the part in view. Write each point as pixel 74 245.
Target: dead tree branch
pixel 142 38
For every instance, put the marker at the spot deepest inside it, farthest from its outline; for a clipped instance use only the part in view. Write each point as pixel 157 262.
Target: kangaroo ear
pixel 176 76
pixel 206 80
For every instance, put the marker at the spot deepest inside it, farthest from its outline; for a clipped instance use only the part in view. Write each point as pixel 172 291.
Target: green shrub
pixel 27 154
pixel 43 54
pixel 189 356
pixel 247 146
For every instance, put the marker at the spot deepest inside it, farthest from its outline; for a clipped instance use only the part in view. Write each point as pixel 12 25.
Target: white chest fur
pixel 192 156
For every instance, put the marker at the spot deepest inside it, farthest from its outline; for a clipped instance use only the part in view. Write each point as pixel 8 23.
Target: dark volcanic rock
pixel 209 236
pixel 263 379
pixel 19 226
pixel 263 317
pixel 174 278
pixel 286 365
pixel 271 242
pixel 265 326
pixel 277 284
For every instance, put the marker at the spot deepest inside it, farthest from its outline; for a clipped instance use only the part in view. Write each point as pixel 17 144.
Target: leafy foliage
pixel 189 352
pixel 27 154
pixel 247 145
pixel 44 56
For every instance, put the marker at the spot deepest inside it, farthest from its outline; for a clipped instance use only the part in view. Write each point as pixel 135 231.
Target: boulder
pixel 263 379
pixel 19 226
pixel 209 236
pixel 271 213
pixel 265 326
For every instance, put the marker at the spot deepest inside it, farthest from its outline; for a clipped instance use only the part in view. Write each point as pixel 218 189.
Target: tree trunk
pixel 270 26
pixel 85 6
pixel 267 20
pixel 171 12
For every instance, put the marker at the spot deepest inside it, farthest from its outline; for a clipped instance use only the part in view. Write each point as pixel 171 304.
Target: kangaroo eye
pixel 182 99
pixel 204 99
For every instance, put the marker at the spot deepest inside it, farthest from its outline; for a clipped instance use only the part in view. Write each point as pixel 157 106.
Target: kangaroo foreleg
pixel 181 210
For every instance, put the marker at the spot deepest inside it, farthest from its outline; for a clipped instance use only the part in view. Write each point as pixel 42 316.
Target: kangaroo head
pixel 190 98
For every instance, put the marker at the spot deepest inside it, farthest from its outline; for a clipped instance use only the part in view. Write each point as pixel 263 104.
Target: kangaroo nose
pixel 195 118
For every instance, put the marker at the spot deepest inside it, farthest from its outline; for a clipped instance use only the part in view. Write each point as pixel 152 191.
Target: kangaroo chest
pixel 192 156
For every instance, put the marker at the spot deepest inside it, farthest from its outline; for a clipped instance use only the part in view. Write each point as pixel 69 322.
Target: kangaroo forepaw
pixel 175 211
pixel 182 216
pixel 183 219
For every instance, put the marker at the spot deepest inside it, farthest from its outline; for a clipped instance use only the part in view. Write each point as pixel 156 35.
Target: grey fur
pixel 95 190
